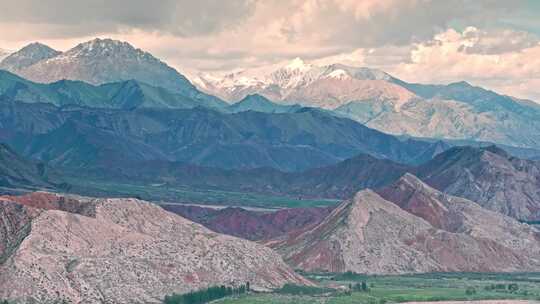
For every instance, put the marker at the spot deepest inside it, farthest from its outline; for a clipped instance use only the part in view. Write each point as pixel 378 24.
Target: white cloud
pixel 413 39
pixel 443 60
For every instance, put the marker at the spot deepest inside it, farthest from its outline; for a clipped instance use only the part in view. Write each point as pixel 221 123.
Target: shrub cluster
pixel 512 287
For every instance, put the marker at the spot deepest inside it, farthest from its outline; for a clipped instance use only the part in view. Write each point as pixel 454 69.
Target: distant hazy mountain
pixel 415 229
pixel 307 138
pixel 260 103
pixel 27 56
pixel 98 62
pixel 327 87
pixel 128 94
pixel 385 103
pixel 121 251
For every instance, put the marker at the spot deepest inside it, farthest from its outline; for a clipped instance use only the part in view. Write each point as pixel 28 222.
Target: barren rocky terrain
pixel 128 251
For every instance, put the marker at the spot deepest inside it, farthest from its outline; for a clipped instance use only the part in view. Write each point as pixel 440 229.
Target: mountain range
pixel 82 137
pixel 122 251
pixel 458 111
pixel 420 183
pixel 97 62
pixel 487 176
pixel 129 94
pixel 375 98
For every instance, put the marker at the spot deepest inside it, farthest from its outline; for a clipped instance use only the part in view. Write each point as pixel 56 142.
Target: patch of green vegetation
pixel 206 295
pixel 371 289
pixel 157 192
pixel 272 299
pixel 14 244
pixel 71 265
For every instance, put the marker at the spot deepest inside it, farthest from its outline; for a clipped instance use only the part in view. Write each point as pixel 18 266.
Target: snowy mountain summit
pixel 97 61
pixel 27 56
pixel 294 82
pixel 370 96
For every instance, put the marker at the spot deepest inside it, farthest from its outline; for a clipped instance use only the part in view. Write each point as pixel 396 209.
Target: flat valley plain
pixel 163 194
pixel 477 288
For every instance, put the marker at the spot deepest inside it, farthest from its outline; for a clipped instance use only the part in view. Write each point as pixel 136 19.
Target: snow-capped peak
pixel 27 56
pixel 35 49
pixel 103 47
pixel 293 81
pixel 361 73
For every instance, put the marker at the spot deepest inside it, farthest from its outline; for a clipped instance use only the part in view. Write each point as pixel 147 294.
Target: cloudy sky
pixel 491 43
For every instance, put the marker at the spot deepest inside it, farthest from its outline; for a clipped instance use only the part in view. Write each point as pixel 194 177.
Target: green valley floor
pixel 518 288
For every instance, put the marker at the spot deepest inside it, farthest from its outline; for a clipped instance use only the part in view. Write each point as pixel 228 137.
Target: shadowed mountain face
pixel 17 172
pixel 421 230
pixel 341 180
pixel 83 137
pixel 252 225
pixel 129 94
pixel 128 243
pixel 260 103
pixel 488 176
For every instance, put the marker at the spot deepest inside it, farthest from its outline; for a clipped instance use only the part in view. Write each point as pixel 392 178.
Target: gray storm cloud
pixel 70 18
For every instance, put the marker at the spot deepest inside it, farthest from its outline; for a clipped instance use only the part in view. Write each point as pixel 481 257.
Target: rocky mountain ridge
pixel 140 252
pixel 490 177
pixel 126 95
pixel 369 234
pixel 81 137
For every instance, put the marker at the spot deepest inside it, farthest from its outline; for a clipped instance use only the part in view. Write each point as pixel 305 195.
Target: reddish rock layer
pixel 252 225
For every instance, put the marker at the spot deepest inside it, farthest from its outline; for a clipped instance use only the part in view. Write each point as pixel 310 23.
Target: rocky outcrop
pixel 421 230
pixel 129 251
pixel 52 201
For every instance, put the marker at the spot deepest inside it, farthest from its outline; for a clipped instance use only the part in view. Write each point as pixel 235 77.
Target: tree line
pixel 206 295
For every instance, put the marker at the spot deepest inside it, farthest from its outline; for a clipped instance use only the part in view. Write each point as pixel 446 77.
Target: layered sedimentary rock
pixel 419 230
